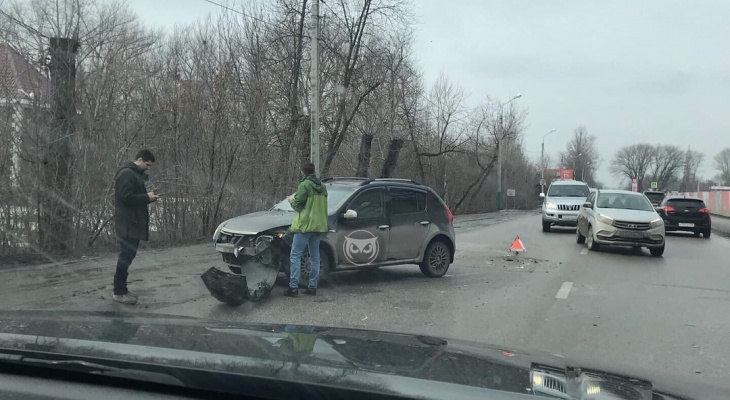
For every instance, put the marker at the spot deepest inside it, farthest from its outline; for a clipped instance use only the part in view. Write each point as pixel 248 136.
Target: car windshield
pixel 569 191
pixel 336 195
pixel 623 201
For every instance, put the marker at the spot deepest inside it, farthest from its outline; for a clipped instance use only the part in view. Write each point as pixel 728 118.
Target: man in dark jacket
pixel 131 217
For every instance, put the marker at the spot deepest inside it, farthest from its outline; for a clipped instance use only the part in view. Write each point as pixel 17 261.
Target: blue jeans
pixel 301 241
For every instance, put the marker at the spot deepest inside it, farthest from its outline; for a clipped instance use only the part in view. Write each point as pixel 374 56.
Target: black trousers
pixel 127 252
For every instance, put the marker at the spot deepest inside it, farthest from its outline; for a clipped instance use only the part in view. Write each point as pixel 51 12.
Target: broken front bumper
pixel 257 277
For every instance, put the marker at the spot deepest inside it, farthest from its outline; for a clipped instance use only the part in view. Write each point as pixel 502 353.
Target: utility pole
pixel 499 160
pixel 542 163
pixel 55 222
pixel 314 141
pixel 499 150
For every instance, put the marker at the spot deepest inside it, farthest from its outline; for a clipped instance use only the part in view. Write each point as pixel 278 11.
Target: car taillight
pixel 705 210
pixel 450 215
pixel 668 209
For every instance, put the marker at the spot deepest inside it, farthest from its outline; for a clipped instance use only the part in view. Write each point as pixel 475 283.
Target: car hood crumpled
pixel 251 224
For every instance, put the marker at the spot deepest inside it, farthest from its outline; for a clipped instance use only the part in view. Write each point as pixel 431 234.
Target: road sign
pixel 510 193
pixel 542 182
pixel 655 185
pixel 635 185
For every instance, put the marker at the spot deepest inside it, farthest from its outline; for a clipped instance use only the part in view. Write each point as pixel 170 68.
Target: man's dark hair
pixel 308 168
pixel 145 155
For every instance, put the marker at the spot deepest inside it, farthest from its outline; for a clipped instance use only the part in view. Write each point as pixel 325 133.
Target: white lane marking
pixel 564 290
pixel 584 252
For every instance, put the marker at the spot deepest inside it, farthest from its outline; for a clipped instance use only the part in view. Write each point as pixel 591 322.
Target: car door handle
pixel 425 223
pixel 383 227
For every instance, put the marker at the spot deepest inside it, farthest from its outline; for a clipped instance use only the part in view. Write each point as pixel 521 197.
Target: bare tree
pixel 348 47
pixel 581 152
pixel 690 169
pixel 722 163
pixel 633 161
pixel 665 165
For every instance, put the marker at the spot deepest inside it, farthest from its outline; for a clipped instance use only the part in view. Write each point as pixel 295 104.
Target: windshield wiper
pixel 90 368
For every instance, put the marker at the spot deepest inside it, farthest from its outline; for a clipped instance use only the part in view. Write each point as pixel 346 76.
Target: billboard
pixel 552 174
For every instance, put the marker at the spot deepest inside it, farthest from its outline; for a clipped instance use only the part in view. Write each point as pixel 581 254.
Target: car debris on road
pixel 261 273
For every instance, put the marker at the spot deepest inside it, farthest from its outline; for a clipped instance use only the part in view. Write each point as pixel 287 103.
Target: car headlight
pixel 217 233
pixel 550 205
pixel 656 223
pixel 604 219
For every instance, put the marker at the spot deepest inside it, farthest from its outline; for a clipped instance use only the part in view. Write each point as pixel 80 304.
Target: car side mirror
pixel 350 214
pixel 542 195
pixel 587 204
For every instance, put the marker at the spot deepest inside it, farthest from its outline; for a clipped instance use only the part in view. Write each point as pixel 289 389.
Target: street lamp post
pixel 499 150
pixel 583 172
pixel 542 163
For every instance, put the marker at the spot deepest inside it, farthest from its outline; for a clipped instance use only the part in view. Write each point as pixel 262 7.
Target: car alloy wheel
pixel 436 260
pixel 590 242
pixel 306 268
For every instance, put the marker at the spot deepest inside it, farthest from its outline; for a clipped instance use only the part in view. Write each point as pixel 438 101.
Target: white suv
pixel 562 202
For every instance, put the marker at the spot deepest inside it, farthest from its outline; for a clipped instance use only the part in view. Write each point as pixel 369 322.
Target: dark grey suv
pixel 372 223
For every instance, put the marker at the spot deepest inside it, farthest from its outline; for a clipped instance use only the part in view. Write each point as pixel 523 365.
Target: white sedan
pixel 620 218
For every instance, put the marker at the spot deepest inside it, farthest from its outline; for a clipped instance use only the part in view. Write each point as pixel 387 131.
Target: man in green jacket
pixel 310 223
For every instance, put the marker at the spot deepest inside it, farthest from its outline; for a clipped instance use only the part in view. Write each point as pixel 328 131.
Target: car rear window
pixel 404 201
pixel 686 203
pixel 655 197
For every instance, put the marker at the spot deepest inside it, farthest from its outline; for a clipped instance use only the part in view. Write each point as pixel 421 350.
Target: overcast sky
pixel 654 71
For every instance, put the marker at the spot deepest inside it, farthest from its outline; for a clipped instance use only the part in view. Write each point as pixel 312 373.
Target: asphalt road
pixel 614 309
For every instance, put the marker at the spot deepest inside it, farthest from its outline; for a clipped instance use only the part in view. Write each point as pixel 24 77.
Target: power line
pixel 328 6
pixel 238 12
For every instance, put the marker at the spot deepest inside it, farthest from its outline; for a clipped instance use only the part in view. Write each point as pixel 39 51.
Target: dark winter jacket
pixel 131 217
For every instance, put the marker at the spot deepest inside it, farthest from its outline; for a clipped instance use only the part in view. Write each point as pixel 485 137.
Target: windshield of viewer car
pixel 335 197
pixel 569 191
pixel 624 201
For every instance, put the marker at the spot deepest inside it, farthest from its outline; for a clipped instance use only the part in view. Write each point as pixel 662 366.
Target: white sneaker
pixel 125 299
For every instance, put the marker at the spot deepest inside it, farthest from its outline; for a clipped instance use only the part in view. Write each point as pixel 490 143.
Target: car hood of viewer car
pixel 629 215
pixel 395 363
pixel 250 224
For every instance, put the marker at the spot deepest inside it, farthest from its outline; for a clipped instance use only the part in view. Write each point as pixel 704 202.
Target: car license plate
pixel 570 217
pixel 686 225
pixel 631 235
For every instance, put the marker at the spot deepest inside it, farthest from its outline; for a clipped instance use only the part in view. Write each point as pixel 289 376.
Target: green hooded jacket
pixel 310 203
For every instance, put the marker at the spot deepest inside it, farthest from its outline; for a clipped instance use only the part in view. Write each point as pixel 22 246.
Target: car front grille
pixel 634 226
pixel 241 240
pixel 568 207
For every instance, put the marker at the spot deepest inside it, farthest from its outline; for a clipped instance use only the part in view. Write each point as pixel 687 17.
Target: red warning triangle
pixel 517 245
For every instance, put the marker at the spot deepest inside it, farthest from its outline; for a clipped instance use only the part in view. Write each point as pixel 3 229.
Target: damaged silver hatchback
pixel 372 223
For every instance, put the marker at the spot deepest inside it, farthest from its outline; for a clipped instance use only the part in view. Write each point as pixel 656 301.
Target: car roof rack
pixel 394 180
